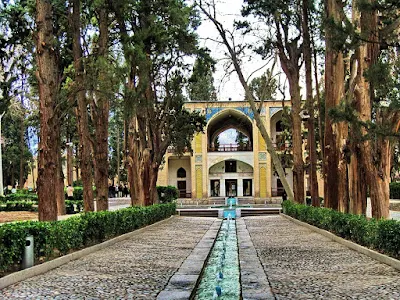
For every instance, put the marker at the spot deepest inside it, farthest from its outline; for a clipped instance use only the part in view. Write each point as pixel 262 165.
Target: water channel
pixel 221 276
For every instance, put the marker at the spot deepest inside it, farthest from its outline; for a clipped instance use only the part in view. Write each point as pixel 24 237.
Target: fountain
pixel 220 279
pixel 231 210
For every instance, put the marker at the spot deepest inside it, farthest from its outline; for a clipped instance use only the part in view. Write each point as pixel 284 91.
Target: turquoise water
pixel 230 284
pixel 229 213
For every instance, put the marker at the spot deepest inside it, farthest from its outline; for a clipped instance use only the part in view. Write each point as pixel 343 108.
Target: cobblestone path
pixel 137 268
pixel 301 264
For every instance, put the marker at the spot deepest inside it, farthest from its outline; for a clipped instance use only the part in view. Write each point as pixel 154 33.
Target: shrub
pixel 18 206
pixel 394 190
pixel 388 237
pixel 20 197
pixel 77 183
pixel 73 206
pixel 61 237
pixel 383 235
pixel 167 194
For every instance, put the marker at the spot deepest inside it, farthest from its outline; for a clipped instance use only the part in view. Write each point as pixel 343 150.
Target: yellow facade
pixel 208 170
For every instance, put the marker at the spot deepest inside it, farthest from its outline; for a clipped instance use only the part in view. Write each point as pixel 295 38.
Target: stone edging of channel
pixel 254 281
pixel 57 262
pixel 361 249
pixel 182 284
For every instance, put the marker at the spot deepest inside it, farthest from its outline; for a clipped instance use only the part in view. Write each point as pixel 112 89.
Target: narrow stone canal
pixel 221 277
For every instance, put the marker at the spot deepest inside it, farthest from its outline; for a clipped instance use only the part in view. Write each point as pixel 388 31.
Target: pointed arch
pixel 181 173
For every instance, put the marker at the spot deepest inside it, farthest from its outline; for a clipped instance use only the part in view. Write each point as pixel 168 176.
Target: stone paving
pixel 301 264
pixel 298 264
pixel 137 268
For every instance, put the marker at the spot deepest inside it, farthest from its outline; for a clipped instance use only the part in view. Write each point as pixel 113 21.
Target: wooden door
pixel 182 189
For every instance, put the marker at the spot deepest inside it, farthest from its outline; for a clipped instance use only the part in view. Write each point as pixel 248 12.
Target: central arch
pixel 225 120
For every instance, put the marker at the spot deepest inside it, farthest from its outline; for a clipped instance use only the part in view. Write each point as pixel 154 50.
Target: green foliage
pixel 20 197
pixel 201 83
pixel 18 206
pixel 73 206
pixel 167 194
pixel 264 87
pixel 388 237
pixel 394 190
pixel 12 123
pixel 58 238
pixel 77 183
pixel 382 235
pixel 184 125
pixel 78 193
pixel 157 39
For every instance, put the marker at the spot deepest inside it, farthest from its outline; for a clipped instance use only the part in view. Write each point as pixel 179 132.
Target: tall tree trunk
pixel 22 158
pixel 376 153
pixel 380 172
pixel 335 133
pixel 290 65
pixel 356 168
pixel 131 163
pixel 77 154
pixel 70 167
pixel 49 85
pixel 60 196
pixel 310 107
pixel 297 140
pixel 118 154
pixel 100 110
pixel 81 112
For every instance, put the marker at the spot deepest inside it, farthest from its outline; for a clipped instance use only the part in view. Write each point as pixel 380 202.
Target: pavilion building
pixel 242 169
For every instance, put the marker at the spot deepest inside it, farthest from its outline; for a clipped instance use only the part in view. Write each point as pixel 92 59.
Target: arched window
pixel 181 173
pixel 279 126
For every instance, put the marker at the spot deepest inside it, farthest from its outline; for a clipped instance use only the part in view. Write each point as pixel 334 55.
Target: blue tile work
pixel 262 156
pixel 247 111
pixel 274 110
pixel 211 111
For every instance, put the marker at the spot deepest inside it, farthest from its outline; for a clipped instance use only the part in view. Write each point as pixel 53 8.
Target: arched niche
pixel 181 173
pixel 229 119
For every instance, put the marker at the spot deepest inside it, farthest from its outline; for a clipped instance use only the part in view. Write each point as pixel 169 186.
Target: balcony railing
pixel 230 148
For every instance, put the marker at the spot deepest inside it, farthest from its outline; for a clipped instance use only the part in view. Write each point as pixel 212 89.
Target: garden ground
pixel 299 264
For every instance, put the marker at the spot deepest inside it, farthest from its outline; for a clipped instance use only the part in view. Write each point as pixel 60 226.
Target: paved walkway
pixel 301 264
pixel 137 268
pixel 298 264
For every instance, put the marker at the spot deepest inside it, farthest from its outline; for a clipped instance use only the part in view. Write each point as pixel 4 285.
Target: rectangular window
pixel 230 166
pixel 247 187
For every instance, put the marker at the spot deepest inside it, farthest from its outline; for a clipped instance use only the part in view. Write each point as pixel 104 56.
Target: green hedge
pixel 73 206
pixel 382 235
pixel 18 206
pixel 19 197
pixel 167 194
pixel 395 190
pixel 52 239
